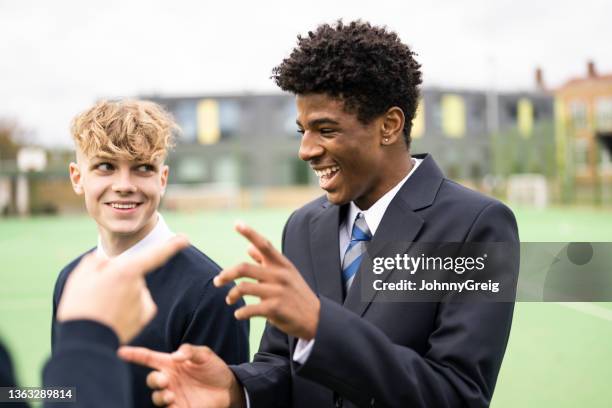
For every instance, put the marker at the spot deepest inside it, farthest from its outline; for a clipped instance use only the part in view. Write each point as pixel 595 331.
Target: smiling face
pixel 350 158
pixel 121 195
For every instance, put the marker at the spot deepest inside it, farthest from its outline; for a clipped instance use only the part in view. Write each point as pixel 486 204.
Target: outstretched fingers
pixel 162 398
pixel 265 247
pixel 260 290
pixel 157 380
pixel 242 270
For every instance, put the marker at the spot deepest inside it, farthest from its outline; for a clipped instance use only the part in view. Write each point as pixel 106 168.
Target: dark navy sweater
pixel 190 309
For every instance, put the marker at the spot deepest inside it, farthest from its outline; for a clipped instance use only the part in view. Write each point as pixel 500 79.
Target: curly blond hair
pixel 134 130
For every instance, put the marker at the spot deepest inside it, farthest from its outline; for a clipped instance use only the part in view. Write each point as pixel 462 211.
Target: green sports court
pixel 559 355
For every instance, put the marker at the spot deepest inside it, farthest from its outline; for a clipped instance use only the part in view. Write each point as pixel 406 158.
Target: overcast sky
pixel 57 57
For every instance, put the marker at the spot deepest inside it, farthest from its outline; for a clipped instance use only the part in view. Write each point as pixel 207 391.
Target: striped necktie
pixel 360 236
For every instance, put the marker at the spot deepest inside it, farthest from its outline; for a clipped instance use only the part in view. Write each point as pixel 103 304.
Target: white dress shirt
pixel 373 216
pixel 160 233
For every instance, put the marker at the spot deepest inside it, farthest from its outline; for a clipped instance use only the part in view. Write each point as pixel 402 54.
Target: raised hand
pixel 287 301
pixel 113 291
pixel 192 376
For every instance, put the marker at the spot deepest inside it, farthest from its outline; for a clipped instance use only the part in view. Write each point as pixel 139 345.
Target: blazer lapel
pixel 325 252
pixel 398 228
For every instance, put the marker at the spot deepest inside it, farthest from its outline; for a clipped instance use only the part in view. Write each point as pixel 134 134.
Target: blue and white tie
pixel 360 236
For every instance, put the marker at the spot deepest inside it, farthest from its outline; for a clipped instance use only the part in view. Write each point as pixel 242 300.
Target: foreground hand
pixel 287 301
pixel 192 376
pixel 113 291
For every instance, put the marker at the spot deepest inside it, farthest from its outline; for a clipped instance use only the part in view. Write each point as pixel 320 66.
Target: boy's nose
pixel 123 184
pixel 309 148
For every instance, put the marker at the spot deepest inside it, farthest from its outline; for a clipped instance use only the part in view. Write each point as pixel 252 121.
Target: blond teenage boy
pixel 120 172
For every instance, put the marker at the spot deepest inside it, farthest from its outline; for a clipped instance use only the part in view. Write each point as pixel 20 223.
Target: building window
pixel 581 155
pixel 603 108
pixel 209 129
pixel 605 160
pixel 185 114
pixel 229 117
pixel 301 172
pixel 226 171
pixel 524 120
pixel 578 114
pixel 289 117
pixel 453 115
pixel 418 123
pixel 191 170
pixel 217 119
pixel 477 113
pixel 511 111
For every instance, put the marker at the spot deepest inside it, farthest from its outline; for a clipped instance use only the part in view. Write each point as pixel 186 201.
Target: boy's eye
pixel 145 168
pixel 300 131
pixel 104 166
pixel 326 131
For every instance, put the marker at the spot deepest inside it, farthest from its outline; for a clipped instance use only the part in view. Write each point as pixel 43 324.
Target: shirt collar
pixel 375 213
pixel 160 233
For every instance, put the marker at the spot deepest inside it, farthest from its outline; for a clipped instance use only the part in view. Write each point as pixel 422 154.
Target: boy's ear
pixel 75 178
pixel 392 126
pixel 164 178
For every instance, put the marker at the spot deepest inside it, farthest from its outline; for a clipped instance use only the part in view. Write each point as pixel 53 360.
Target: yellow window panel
pixel 453 115
pixel 561 119
pixel 524 117
pixel 418 123
pixel 209 131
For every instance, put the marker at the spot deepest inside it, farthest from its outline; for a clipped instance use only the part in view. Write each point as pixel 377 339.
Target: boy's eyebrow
pixel 102 157
pixel 318 122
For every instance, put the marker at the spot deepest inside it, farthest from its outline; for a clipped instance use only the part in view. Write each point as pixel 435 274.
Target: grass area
pixel 557 356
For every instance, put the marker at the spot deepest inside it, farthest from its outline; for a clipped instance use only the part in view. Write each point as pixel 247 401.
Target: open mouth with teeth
pixel 123 206
pixel 327 175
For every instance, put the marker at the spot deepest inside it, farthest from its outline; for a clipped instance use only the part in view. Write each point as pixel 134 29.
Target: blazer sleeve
pixel 268 378
pixel 213 324
pixel 85 358
pixel 7 377
pixel 357 360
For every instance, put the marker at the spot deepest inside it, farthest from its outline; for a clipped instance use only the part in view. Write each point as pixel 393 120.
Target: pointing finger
pixel 151 258
pixel 144 356
pixel 255 254
pixel 264 246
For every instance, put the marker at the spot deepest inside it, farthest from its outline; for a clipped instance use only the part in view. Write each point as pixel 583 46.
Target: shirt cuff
pixel 302 351
pixel 86 331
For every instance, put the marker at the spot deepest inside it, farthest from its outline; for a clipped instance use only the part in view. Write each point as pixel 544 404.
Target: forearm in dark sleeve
pixel 85 358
